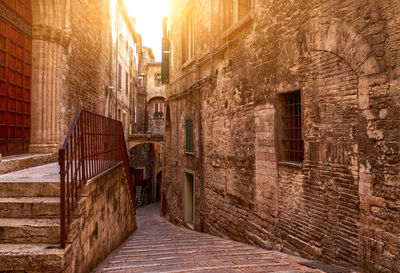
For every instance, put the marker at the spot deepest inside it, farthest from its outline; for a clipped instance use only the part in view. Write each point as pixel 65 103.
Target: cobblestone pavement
pixel 158 246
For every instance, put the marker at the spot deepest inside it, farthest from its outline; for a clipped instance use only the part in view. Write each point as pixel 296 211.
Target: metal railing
pixel 93 145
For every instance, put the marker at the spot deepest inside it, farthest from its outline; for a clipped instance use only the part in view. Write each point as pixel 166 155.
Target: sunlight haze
pixel 148 14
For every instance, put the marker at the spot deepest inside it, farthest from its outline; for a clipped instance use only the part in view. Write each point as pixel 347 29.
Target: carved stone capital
pixel 51 34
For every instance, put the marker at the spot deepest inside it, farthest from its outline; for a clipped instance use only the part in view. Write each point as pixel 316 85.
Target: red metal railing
pixel 94 144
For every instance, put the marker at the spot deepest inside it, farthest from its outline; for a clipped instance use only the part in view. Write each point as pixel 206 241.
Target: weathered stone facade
pixel 341 203
pixel 71 66
pixel 105 220
pixel 155 92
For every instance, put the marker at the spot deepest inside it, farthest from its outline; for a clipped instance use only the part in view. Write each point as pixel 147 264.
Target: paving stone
pixel 159 246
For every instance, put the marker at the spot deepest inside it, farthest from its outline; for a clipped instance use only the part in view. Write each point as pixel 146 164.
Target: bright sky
pixel 149 15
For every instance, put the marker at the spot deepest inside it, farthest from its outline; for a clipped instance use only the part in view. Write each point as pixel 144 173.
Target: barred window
pixel 189 136
pixel 292 144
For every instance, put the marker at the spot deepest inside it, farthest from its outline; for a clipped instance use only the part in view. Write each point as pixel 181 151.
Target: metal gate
pixel 15 75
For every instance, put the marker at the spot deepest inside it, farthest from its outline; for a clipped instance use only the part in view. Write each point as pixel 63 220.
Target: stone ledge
pixel 24 161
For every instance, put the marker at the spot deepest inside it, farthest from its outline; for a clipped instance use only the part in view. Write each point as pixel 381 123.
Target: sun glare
pixel 148 14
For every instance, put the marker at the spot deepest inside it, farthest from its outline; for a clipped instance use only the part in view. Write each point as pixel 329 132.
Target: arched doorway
pixel 146 160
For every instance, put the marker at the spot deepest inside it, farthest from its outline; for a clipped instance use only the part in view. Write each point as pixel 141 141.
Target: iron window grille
pixel 292 144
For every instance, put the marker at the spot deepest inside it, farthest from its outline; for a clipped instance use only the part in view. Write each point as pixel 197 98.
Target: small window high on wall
pixel 291 127
pixel 187 37
pixel 233 11
pixel 189 136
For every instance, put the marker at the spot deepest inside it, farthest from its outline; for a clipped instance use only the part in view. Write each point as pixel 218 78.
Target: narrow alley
pixel 199 136
pixel 159 246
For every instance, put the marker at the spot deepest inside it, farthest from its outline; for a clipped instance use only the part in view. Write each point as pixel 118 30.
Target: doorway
pixel 15 77
pixel 189 198
pixel 158 187
pixel 138 177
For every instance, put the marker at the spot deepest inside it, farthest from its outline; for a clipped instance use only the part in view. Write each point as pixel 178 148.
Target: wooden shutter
pixel 165 61
pixel 189 136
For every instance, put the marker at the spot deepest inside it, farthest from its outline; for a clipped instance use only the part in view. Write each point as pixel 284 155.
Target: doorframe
pixel 192 173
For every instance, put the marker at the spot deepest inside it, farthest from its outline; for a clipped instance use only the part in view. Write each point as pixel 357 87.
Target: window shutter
pixel 156 107
pixel 165 61
pixel 189 136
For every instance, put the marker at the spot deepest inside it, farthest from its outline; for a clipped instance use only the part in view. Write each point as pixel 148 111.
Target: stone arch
pixel 150 99
pixel 339 38
pixel 331 35
pixel 133 144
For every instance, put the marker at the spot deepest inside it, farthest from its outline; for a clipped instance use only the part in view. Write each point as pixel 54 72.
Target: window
pixel 188 37
pixel 189 136
pixel 233 11
pixel 119 76
pixel 140 81
pixel 159 107
pixel 158 110
pixel 157 78
pixel 292 144
pixel 119 114
pixel 126 82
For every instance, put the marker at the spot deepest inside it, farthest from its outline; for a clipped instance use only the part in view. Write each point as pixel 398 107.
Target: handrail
pixel 93 145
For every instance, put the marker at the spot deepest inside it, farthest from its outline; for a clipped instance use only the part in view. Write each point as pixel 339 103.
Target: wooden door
pixel 15 76
pixel 138 177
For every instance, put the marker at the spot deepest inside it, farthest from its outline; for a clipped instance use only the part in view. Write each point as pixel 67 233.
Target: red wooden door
pixel 138 177
pixel 15 76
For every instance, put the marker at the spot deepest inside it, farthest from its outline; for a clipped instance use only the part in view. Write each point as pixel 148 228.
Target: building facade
pixel 149 122
pixel 54 61
pixel 155 98
pixel 121 98
pixel 282 126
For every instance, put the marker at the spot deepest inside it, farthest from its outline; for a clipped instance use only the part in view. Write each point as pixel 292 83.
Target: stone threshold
pixel 23 161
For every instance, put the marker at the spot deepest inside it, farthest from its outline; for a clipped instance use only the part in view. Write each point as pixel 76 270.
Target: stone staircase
pixel 29 221
pixel 139 197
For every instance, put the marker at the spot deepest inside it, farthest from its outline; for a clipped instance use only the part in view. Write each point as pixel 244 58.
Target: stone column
pixel 51 37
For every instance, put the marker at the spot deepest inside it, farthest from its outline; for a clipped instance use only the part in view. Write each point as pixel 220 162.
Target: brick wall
pixel 88 61
pixel 340 204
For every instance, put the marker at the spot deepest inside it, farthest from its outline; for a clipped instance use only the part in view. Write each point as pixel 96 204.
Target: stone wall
pixel 71 66
pixel 88 61
pixel 105 220
pixel 340 204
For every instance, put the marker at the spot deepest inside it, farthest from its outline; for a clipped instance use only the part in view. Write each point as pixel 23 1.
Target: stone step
pixel 29 231
pixel 29 189
pixel 29 207
pixel 32 257
pixel 19 162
